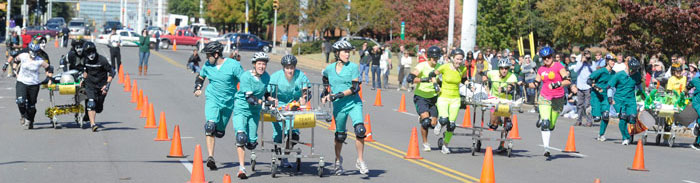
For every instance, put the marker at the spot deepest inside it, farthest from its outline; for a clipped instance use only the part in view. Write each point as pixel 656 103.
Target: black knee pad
pixel 596 118
pixel 545 125
pixel 295 137
pixel 91 104
pixel 493 126
pixel 632 118
pixel 21 102
pixel 623 116
pixel 360 131
pixel 241 139
pixel 508 125
pixel 209 128
pixel 219 134
pixel 425 123
pixel 451 126
pixel 340 136
pixel 696 130
pixel 443 121
pixel 251 146
pixel 605 116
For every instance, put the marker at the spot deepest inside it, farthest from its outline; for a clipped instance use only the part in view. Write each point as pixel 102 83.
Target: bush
pixel 307 47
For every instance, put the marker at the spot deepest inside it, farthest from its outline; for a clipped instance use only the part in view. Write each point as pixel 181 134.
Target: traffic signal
pixel 77 6
pixel 148 12
pixel 275 4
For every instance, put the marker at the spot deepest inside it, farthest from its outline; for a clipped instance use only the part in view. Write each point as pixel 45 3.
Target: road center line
pixel 687 181
pixel 169 60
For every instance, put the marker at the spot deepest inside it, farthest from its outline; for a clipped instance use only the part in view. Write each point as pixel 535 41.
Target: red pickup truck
pixel 182 36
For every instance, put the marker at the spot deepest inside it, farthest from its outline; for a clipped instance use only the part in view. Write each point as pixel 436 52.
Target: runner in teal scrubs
pixel 625 102
pixel 248 103
pixel 342 77
pixel 291 85
pixel 223 78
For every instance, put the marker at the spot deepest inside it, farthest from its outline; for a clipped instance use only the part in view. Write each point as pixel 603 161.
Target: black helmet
pixel 634 64
pixel 289 60
pixel 434 52
pixel 213 47
pixel 457 52
pixel 77 46
pixel 90 50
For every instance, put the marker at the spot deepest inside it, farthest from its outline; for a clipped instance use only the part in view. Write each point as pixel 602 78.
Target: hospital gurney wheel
pixel 671 141
pixel 321 168
pixel 273 167
pixel 298 164
pixel 644 139
pixel 54 122
pixel 79 119
pixel 252 161
pixel 658 139
pixel 510 149
pixel 440 142
pixel 476 147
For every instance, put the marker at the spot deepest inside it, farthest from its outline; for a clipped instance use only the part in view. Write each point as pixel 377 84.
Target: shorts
pixel 218 112
pixel 426 105
pixel 247 121
pixel 448 107
pixel 556 103
pixel 342 109
pixel 96 95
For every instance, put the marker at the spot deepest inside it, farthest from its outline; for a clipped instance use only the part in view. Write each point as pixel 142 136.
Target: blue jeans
pixel 385 77
pixel 192 67
pixel 364 71
pixel 376 77
pixel 143 58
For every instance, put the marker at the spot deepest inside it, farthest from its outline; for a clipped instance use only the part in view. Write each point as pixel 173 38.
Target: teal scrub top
pixel 250 83
pixel 624 85
pixel 342 81
pixel 223 80
pixel 601 77
pixel 288 90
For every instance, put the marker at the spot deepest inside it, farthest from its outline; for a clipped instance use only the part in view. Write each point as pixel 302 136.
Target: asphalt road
pixel 123 151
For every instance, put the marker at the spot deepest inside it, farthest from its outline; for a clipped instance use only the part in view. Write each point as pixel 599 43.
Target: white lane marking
pixel 187 164
pixel 9 88
pixel 557 149
pixel 410 114
pixel 687 181
pixel 186 137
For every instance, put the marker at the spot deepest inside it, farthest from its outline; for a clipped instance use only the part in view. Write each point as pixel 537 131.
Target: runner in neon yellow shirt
pixel 448 101
pixel 425 97
pixel 502 84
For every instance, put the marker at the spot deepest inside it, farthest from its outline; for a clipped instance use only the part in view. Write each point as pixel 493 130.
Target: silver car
pixel 77 28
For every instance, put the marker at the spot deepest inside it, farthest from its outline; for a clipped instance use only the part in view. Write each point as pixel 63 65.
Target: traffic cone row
pixel 368 133
pixel 571 142
pixel 466 122
pixel 514 133
pixel 402 104
pixel 378 98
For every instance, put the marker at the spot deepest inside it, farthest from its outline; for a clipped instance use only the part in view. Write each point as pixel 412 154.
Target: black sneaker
pixel 30 125
pixel 94 128
pixel 546 154
pixel 211 164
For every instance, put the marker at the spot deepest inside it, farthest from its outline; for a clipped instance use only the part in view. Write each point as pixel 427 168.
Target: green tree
pixel 62 10
pixel 288 14
pixel 500 23
pixel 188 8
pixel 578 21
pixel 224 12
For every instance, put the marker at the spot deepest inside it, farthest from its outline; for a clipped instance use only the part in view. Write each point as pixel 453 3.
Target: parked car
pixel 182 37
pixel 247 42
pixel 111 25
pixel 128 38
pixel 208 32
pixel 54 26
pixel 78 27
pixel 153 29
pixel 57 20
pixel 346 38
pixel 34 30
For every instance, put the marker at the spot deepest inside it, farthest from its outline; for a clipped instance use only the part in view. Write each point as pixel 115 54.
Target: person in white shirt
pixel 27 86
pixel 404 67
pixel 385 65
pixel 115 57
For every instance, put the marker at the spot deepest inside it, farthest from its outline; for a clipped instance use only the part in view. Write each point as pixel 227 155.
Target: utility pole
pixel 246 16
pixel 139 25
pixel 159 17
pixel 451 25
pixel 24 13
pixel 275 5
pixel 7 19
pixel 201 8
pixel 468 37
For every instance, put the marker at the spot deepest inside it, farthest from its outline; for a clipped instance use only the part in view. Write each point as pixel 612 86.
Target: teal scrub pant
pixel 246 121
pixel 696 106
pixel 600 104
pixel 218 112
pixel 629 107
pixel 344 108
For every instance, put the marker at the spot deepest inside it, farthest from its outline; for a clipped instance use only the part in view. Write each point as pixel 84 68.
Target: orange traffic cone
pixel 150 121
pixel 176 145
pixel 378 99
pixel 55 43
pixel 197 166
pixel 144 108
pixel 571 143
pixel 139 105
pixel 402 104
pixel 238 86
pixel 466 122
pixel 121 74
pixel 363 99
pixel 162 129
pixel 127 79
pixel 514 133
pixel 368 134
pixel 134 96
pixel 332 126
pixel 227 178
pixel 413 152
pixel 174 45
pixel 638 164
pixel 134 86
pixel 487 169
pixel 597 180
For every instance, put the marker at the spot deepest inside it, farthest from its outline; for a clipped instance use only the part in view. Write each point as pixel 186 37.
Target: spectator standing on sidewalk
pixel 404 68
pixel 583 69
pixel 386 65
pixel 365 59
pixel 326 46
pixel 376 54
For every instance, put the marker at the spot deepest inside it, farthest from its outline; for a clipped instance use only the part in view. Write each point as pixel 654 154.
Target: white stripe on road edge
pixel 410 114
pixel 556 149
pixel 687 181
pixel 187 164
pixel 186 137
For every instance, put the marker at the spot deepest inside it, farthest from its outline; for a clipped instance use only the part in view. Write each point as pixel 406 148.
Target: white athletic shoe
pixel 445 149
pixel 362 166
pixel 626 142
pixel 601 138
pixel 438 128
pixel 338 169
pixel 426 147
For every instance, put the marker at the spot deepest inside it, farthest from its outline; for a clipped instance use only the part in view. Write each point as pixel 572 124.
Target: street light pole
pixel 274 32
pixel 7 20
pixel 451 25
pixel 246 16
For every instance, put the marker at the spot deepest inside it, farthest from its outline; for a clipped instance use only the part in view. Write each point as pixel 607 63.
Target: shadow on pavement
pixel 557 156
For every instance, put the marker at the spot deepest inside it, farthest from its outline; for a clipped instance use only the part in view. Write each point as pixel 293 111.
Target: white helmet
pixel 504 62
pixel 260 56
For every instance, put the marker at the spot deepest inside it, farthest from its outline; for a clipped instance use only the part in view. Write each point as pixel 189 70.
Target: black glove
pixel 252 100
pixel 338 95
pixel 555 85
pixel 610 100
pixel 432 74
pixel 107 86
pixel 425 80
pixel 437 87
pixel 4 66
pixel 589 81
